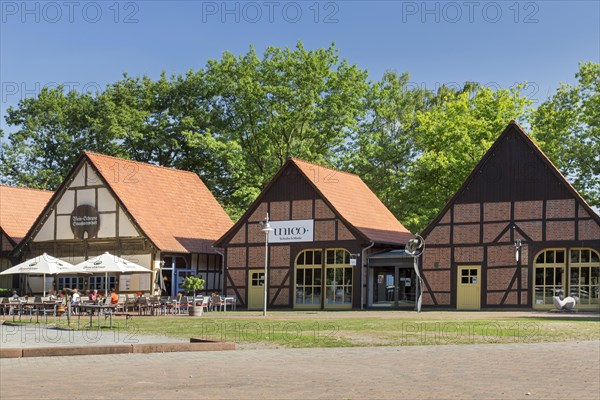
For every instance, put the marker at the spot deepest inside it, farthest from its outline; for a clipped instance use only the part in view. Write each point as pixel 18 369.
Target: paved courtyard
pixel 528 371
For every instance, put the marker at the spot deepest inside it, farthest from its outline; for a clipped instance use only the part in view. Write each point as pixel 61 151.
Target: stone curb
pixel 194 345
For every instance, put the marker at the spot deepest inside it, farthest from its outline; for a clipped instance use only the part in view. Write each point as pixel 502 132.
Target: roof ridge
pixel 140 162
pixel 326 167
pixel 27 188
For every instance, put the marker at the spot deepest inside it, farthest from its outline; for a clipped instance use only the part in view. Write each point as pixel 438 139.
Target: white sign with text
pixel 300 230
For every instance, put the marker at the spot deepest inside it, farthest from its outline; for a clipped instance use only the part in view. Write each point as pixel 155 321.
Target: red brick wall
pixel 439 235
pixel 302 209
pixel 501 256
pixel 494 298
pixel 446 218
pixel 496 211
pixel 531 229
pixel 322 210
pixel 280 256
pixel 524 296
pixel 589 230
pixel 529 209
pixel 282 299
pixel 255 234
pixel 280 210
pixel 324 230
pixel 427 300
pixel 240 236
pixel 499 278
pixel 524 277
pixel 468 254
pixel 343 232
pixel 236 257
pixel 238 276
pixel 443 299
pixel 491 231
pixel 560 230
pixel 466 234
pixel 560 208
pixel 277 277
pixel 433 255
pixel 466 212
pixel 438 280
pixel 260 213
pixel 256 257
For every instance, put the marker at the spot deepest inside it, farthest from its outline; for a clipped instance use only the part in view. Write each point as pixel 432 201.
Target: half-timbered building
pixel 161 218
pixel 325 223
pixel 514 235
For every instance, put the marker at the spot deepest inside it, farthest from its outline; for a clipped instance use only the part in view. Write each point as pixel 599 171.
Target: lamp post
pixel 266 228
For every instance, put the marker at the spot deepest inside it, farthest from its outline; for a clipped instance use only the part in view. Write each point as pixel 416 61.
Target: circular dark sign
pixel 85 218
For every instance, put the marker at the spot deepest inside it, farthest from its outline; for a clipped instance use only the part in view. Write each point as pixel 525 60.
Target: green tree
pixel 451 137
pixel 567 125
pixel 296 102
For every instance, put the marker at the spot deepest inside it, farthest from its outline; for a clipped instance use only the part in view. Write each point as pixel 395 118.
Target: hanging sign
pixel 85 218
pixel 300 230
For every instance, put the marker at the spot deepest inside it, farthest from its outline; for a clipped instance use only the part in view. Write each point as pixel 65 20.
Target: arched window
pixel 323 276
pixel 549 275
pixel 573 272
pixel 584 281
pixel 338 278
pixel 308 278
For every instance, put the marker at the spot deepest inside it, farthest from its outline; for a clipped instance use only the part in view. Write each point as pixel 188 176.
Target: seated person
pixel 75 297
pixel 94 296
pixel 15 295
pixel 51 295
pixel 114 297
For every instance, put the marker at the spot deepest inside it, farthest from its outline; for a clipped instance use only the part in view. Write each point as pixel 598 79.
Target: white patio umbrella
pixel 106 263
pixel 42 265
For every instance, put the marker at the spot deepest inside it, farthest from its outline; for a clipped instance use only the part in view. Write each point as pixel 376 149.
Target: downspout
pixel 362 270
pixel 222 269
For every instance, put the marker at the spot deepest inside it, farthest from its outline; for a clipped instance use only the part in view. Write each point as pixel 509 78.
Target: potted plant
pixel 193 284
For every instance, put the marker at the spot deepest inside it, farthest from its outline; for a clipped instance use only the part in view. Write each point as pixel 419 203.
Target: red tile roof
pixel 173 208
pixel 355 202
pixel 19 208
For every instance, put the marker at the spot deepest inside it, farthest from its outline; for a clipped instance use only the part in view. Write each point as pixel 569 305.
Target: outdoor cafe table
pixel 36 307
pixel 101 309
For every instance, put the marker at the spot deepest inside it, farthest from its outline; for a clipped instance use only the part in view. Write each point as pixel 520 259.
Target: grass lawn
pixel 345 329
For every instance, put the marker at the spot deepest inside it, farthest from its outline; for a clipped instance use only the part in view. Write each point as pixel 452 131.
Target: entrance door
pixel 468 288
pixel 256 289
pixel 181 275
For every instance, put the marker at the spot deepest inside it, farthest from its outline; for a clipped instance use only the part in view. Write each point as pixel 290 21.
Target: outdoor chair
pixel 205 303
pixel 143 305
pixel 131 303
pixel 217 303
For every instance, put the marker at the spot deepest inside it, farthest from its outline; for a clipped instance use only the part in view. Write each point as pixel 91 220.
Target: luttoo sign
pixel 292 231
pixel 85 218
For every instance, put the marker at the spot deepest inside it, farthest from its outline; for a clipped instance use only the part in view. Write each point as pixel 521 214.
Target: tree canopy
pixel 236 121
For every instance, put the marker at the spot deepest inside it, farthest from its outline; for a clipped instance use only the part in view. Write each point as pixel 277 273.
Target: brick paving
pixel 493 371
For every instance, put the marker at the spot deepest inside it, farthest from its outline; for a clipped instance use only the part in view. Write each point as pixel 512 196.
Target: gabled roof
pixel 350 198
pixel 513 126
pixel 173 208
pixel 19 208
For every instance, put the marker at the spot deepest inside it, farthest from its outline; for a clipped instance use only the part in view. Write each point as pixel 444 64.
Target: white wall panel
pixel 66 204
pixel 86 196
pixel 107 225
pixel 105 200
pixel 126 228
pixel 63 227
pixel 47 230
pixel 79 179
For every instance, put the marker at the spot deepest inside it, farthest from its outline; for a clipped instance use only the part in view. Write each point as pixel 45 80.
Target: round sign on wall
pixel 85 218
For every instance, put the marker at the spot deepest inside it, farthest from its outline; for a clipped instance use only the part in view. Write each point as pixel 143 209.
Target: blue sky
pixel 87 44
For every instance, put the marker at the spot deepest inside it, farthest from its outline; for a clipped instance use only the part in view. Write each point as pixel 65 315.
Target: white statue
pixel 567 304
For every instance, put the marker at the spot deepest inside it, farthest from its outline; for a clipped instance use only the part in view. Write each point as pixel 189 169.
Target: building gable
pixel 84 188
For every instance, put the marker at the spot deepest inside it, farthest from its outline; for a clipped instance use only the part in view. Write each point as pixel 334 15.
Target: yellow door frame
pixel 468 287
pixel 256 292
